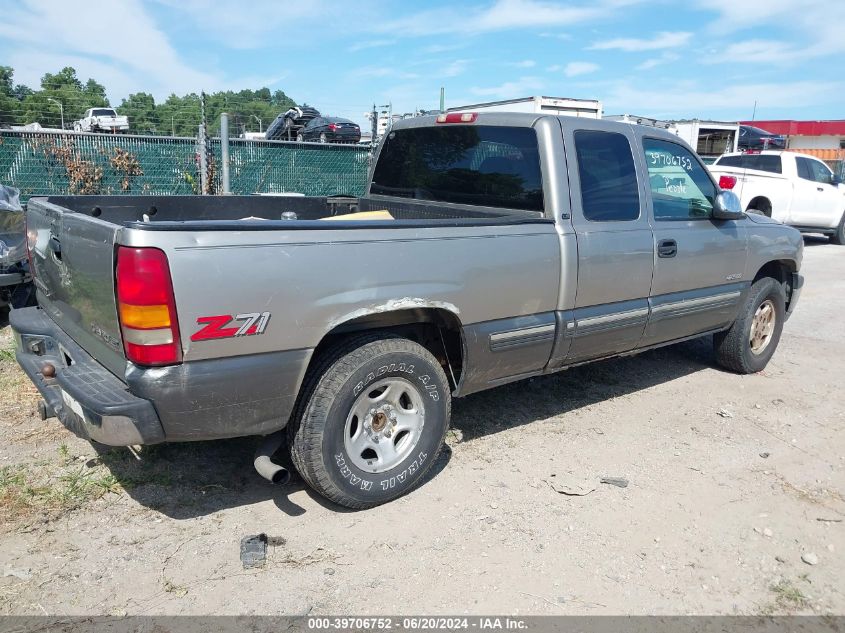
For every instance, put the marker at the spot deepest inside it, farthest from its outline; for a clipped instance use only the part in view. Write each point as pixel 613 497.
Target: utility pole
pixel 374 124
pixel 442 99
pixel 172 125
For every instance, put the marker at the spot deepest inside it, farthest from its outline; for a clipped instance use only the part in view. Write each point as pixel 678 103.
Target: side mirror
pixel 835 180
pixel 727 207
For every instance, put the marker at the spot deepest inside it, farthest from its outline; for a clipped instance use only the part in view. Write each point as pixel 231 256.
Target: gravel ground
pixel 735 502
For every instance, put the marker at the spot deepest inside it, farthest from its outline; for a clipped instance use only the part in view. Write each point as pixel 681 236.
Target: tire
pixel 300 138
pixel 341 448
pixel 839 237
pixel 323 137
pixel 735 347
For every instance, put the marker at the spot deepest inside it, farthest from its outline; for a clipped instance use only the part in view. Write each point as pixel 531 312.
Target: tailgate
pixel 73 261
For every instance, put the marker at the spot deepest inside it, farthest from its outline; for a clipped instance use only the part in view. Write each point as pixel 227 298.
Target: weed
pixel 32 488
pixel 788 598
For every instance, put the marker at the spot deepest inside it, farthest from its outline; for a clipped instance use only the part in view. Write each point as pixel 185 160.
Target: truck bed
pixel 240 213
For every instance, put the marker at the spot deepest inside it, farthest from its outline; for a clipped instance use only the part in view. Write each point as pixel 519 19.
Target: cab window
pixel 680 186
pixel 608 176
pixel 820 172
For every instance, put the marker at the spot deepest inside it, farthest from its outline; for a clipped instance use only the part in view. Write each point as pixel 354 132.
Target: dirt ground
pixel 732 480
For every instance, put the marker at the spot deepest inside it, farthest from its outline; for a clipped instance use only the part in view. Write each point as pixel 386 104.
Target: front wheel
pixel 323 138
pixel 839 236
pixel 373 418
pixel 748 345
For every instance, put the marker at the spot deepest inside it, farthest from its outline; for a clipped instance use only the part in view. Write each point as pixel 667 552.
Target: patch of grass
pixel 787 598
pixel 32 489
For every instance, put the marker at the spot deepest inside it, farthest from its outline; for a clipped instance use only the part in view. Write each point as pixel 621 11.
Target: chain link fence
pixel 52 163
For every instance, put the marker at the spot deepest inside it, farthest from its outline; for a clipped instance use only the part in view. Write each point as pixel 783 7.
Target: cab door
pixel 829 197
pixel 615 244
pixel 699 262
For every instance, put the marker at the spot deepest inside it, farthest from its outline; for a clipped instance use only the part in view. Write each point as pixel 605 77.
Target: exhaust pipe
pixel 264 464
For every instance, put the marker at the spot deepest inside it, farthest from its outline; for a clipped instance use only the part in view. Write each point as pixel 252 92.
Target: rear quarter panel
pixel 313 280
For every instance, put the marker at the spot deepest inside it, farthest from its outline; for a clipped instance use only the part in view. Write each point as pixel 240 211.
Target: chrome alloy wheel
pixel 762 327
pixel 384 425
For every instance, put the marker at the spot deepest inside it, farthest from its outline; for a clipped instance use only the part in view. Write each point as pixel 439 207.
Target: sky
pixel 708 59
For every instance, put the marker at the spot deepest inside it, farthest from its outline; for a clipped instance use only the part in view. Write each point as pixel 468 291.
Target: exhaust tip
pixel 281 476
pixel 264 464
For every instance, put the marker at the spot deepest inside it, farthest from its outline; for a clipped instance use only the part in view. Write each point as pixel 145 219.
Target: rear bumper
pixel 797 285
pixel 87 398
pixel 200 400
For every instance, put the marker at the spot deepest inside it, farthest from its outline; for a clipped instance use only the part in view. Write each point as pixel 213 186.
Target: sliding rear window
pixel 463 164
pixel 762 162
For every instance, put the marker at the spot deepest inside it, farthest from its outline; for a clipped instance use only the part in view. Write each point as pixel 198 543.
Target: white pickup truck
pixel 102 120
pixel 795 189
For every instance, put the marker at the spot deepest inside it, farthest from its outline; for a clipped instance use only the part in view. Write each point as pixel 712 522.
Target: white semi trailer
pixel 589 108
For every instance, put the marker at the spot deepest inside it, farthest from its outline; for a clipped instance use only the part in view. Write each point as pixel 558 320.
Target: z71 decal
pixel 219 326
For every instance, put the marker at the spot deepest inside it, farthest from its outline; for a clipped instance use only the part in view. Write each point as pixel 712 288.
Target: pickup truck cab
pixel 795 189
pixel 102 120
pixel 488 248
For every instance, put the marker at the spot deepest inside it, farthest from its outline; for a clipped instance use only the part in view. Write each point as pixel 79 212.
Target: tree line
pixel 63 95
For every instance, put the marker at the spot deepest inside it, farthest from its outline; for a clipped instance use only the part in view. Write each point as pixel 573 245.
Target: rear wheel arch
pixel 438 330
pixel 761 204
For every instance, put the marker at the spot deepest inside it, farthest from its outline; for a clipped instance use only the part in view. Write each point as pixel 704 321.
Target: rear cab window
pixel 477 165
pixel 761 162
pixel 680 186
pixel 609 191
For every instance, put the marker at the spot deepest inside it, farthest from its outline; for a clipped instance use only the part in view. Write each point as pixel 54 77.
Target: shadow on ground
pixel 187 480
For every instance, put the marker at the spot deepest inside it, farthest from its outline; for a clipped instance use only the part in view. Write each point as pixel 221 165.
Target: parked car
pixel 792 188
pixel 495 247
pixel 16 289
pixel 751 137
pixel 330 130
pixel 288 124
pixel 102 120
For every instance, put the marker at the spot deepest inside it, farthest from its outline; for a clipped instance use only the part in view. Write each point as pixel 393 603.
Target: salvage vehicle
pixel 796 189
pixel 751 137
pixel 330 130
pixel 488 248
pixel 102 120
pixel 288 125
pixel 16 290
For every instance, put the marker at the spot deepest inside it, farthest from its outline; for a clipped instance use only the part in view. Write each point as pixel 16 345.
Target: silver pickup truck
pixel 488 248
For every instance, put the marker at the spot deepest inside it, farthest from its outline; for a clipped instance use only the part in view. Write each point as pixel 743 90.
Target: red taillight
pixel 457 117
pixel 332 126
pixel 146 307
pixel 727 182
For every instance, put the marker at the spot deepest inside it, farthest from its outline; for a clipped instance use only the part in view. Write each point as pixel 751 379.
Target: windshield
pixel 477 165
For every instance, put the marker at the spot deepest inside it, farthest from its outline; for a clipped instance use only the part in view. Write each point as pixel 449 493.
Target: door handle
pixel 667 248
pixel 819 188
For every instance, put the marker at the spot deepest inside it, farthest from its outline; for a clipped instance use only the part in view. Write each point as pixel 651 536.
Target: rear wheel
pixel 371 421
pixel 748 345
pixel 839 236
pixel 300 138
